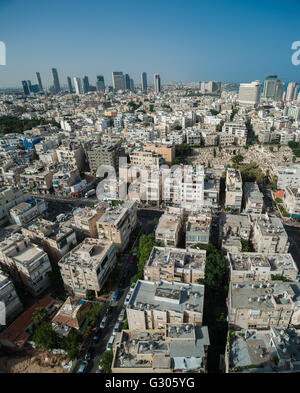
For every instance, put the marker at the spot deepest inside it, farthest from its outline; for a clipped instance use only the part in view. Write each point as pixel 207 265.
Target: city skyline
pixel 187 51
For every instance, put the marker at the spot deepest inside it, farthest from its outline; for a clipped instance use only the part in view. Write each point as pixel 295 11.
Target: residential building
pixel 291 92
pixel 154 304
pixel 167 152
pixel 86 268
pixel 249 93
pixel 146 158
pixel 9 297
pixel 288 176
pixel 37 179
pixel 25 212
pixel 175 264
pixel 178 348
pixel 10 197
pixel 71 153
pixel 291 200
pixel 253 198
pixel 169 229
pixel 234 190
pixel 104 154
pixel 257 266
pixel 85 219
pixel 197 229
pixel 27 264
pixel 233 228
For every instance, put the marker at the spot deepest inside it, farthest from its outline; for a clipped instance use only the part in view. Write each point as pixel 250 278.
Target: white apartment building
pixel 9 297
pixel 253 198
pixel 249 93
pixel 288 176
pixel 169 229
pixel 291 200
pixel 234 190
pixel 235 128
pixel 10 197
pixel 87 267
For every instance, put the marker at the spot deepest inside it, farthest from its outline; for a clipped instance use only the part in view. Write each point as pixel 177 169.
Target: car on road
pixel 103 322
pixel 116 295
pixel 97 336
pixel 126 302
pixel 82 367
pixel 121 315
pixel 116 328
pixel 89 354
pixel 110 343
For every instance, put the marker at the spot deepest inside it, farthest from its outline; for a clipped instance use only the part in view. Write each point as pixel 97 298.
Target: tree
pixel 155 221
pixel 106 361
pixel 39 316
pixel 44 336
pixel 94 313
pixel 71 344
pixel 237 159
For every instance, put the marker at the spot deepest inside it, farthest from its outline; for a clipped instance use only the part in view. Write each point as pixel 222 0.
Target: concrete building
pixel 167 152
pixel 37 179
pixel 178 348
pixel 269 235
pixel 249 93
pixel 233 228
pixel 273 350
pixel 197 229
pixel 154 304
pixel 10 197
pixel 273 88
pixel 117 223
pixel 71 153
pixel 55 238
pixel 104 154
pixel 256 266
pixel 157 83
pixel 144 81
pixel 27 264
pixel 118 80
pixel 9 297
pixel 169 229
pixel 261 304
pixel 288 176
pixel 234 190
pixel 175 264
pixel 25 212
pixel 253 198
pixel 85 219
pixel 146 158
pixel 291 200
pixel 291 91
pixel 235 128
pixel 86 268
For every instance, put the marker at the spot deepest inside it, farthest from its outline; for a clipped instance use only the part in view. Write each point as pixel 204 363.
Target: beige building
pixel 146 158
pixel 25 212
pixel 38 180
pixel 269 235
pixel 253 198
pixel 175 264
pixel 234 190
pixel 291 200
pixel 256 266
pixel 167 152
pixel 177 348
pixel 154 304
pixel 54 237
pixel 117 223
pixel 261 304
pixel 27 263
pixel 197 229
pixel 10 197
pixel 85 219
pixel 169 229
pixel 86 268
pixel 9 297
pixel 232 228
pixel 72 154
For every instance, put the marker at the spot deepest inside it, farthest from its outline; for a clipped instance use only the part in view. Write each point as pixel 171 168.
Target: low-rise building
pixel 154 304
pixel 261 304
pixel 27 264
pixel 169 229
pixel 85 219
pixel 253 198
pixel 10 197
pixel 9 297
pixel 175 264
pixel 177 348
pixel 25 212
pixel 232 228
pixel 117 223
pixel 234 190
pixel 248 266
pixel 291 200
pixel 86 268
pixel 197 229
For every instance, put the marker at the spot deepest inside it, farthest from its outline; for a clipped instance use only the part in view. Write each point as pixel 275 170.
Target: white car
pixel 127 299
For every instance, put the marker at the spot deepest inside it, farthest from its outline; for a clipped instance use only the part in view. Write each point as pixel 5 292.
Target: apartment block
pixel 87 267
pixel 269 235
pixel 234 190
pixel 177 348
pixel 288 176
pixel 169 229
pixel 232 228
pixel 37 179
pixel 291 200
pixel 64 178
pixel 167 152
pixel 253 198
pixel 146 158
pixel 54 237
pixel 71 153
pixel 117 223
pixel 256 266
pixel 235 129
pixel 104 154
pixel 273 350
pixel 9 297
pixel 154 304
pixel 10 197
pixel 25 212
pixel 175 264
pixel 85 219
pixel 27 264
pixel 261 304
pixel 197 229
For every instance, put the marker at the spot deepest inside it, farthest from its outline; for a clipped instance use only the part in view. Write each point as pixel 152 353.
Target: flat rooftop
pixel 167 296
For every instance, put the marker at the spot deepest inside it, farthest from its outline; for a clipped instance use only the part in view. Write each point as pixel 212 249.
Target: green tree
pixel 94 313
pixel 106 361
pixel 237 159
pixel 44 337
pixel 71 344
pixel 39 316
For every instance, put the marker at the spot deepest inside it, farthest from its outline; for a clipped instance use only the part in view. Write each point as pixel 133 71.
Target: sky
pixel 182 40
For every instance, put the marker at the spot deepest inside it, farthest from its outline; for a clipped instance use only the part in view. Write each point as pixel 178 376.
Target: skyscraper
pixel 131 84
pixel 249 93
pixel 78 86
pixel 25 88
pixel 157 86
pixel 127 82
pixel 100 83
pixel 144 81
pixel 55 80
pixel 38 75
pixel 273 88
pixel 118 80
pixel 29 85
pixel 291 92
pixel 70 84
pixel 86 85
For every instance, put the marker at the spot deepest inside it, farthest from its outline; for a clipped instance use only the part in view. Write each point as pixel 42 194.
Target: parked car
pixel 116 328
pixel 83 367
pixel 89 354
pixel 103 322
pixel 126 302
pixel 110 343
pixel 122 315
pixel 97 336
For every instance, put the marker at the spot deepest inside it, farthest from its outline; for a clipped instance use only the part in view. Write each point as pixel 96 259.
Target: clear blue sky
pixel 183 40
